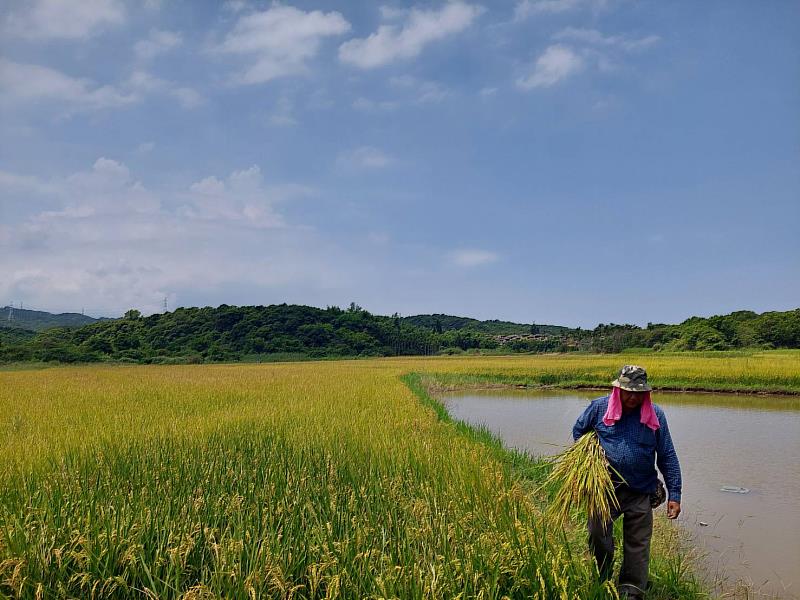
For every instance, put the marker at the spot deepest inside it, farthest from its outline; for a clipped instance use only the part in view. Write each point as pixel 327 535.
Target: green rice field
pixel 340 479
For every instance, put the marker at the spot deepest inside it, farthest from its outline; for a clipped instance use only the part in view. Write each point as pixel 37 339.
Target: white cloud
pixel 22 84
pixel 531 8
pixel 555 64
pixel 365 157
pixel 64 19
pixel 109 189
pixel 112 243
pixel 242 198
pixel 588 49
pixel 25 184
pixel 393 42
pixel 143 83
pixel 471 257
pixel 280 40
pixel 106 189
pixel 158 42
pixel 528 8
pixel 422 92
pixel 389 13
pixel 234 6
pixel 209 186
pixel 105 171
pixel 596 38
pixel 409 91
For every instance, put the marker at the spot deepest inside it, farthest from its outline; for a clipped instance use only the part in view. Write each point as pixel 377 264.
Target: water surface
pixel 721 440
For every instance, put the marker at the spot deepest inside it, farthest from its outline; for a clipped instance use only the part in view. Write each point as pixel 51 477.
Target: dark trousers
pixel 637 529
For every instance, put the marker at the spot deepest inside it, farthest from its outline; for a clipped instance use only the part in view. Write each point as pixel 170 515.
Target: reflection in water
pixel 722 440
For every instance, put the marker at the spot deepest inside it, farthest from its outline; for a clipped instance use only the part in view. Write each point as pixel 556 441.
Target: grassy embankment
pixel 758 372
pixel 287 480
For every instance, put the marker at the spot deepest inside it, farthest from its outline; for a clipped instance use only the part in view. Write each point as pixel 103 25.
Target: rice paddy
pixel 295 480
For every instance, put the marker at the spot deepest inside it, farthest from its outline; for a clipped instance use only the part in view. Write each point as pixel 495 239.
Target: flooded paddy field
pixel 724 442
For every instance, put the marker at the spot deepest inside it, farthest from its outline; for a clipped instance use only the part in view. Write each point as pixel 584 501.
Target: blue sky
pixel 556 161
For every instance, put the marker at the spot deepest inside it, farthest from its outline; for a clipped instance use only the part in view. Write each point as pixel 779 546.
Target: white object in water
pixel 734 489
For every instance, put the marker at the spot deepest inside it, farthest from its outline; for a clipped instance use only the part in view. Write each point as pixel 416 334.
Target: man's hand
pixel 673 509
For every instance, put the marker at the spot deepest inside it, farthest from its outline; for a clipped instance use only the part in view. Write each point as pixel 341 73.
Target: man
pixel 634 434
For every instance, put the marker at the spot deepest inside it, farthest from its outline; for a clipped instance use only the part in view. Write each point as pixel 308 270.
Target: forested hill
pixel 37 320
pixel 230 333
pixel 15 335
pixel 441 323
pixel 281 332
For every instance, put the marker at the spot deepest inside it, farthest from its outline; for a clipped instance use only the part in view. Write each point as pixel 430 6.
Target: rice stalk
pixel 582 480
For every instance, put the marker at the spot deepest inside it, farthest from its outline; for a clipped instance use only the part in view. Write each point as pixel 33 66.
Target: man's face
pixel 631 400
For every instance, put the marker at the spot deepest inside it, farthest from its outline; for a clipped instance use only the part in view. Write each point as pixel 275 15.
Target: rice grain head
pixel 582 482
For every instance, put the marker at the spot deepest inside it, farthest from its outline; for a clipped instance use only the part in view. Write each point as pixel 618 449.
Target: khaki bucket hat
pixel 632 378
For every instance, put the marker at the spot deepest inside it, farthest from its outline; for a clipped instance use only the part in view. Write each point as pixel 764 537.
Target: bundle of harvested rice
pixel 582 480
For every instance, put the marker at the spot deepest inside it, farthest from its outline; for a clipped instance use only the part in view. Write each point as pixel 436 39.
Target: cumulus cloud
pixel 158 42
pixel 280 41
pixel 64 19
pixel 555 64
pixel 241 197
pixel 112 243
pixel 26 83
pixel 471 257
pixel 589 49
pixel 107 188
pixel 407 40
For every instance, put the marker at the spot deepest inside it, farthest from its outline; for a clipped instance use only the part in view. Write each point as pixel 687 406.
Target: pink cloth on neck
pixel 614 410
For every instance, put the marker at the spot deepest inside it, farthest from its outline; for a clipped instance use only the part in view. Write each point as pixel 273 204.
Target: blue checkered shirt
pixel 633 448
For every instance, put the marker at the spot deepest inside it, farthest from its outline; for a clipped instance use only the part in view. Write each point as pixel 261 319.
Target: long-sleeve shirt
pixel 634 449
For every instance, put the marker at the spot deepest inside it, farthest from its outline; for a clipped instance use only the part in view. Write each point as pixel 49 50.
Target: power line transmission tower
pixel 165 304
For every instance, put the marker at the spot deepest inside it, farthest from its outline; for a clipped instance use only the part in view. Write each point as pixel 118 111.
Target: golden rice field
pixel 297 480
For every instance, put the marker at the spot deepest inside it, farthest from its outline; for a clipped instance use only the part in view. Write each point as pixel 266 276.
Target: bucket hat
pixel 632 378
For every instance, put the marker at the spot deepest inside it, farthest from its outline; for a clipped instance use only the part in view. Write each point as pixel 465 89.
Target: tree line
pixel 741 329
pixel 282 332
